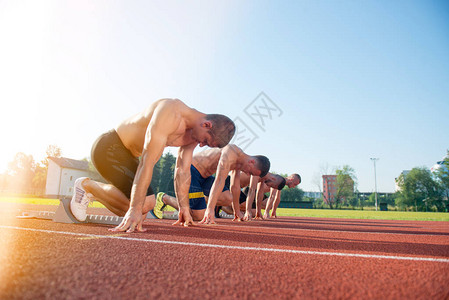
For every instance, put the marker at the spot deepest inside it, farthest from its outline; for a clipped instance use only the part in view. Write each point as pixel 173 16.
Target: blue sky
pixel 353 79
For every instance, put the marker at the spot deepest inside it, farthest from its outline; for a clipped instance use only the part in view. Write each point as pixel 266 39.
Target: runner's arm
pixel 251 192
pixel 260 194
pixel 276 203
pixel 235 191
pixel 217 186
pixel 224 165
pixel 269 204
pixel 156 137
pixel 182 184
pixel 182 175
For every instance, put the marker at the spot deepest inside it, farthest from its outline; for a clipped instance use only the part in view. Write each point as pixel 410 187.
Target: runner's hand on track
pixel 258 215
pixel 184 217
pixel 238 216
pixel 130 221
pixel 139 227
pixel 209 217
pixel 248 216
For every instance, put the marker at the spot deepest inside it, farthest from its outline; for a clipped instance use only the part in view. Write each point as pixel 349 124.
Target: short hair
pixel 262 164
pixel 282 183
pixel 297 176
pixel 222 130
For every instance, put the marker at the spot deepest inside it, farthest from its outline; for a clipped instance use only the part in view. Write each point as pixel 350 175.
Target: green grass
pixel 362 214
pixel 295 212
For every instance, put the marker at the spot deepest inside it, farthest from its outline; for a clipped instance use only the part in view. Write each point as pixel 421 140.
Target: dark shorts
pixel 244 194
pixel 115 162
pixel 200 187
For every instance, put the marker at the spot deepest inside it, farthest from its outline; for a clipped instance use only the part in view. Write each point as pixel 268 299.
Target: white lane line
pixel 339 231
pixel 443 260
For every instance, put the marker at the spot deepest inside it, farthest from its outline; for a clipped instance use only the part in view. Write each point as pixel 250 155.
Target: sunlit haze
pixel 353 79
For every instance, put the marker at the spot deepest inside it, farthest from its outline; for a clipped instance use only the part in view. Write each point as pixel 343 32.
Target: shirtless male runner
pixel 115 154
pixel 255 185
pixel 262 200
pixel 291 181
pixel 271 202
pixel 204 165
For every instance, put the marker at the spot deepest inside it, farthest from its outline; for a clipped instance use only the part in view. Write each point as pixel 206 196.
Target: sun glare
pixel 7 238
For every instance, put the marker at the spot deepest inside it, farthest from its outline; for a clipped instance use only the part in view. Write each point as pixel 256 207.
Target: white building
pixel 442 165
pixel 396 180
pixel 61 175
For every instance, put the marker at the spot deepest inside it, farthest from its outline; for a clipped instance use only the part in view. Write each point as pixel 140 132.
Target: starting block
pixel 63 214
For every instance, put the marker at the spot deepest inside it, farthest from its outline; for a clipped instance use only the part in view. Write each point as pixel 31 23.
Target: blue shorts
pixel 200 186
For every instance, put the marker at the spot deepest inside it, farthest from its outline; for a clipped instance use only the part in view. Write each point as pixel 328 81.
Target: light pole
pixel 375 180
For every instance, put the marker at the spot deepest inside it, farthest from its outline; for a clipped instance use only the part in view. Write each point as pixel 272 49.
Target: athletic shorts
pixel 244 194
pixel 200 187
pixel 115 162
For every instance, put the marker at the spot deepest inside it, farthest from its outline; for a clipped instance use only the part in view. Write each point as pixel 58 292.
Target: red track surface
pixel 87 261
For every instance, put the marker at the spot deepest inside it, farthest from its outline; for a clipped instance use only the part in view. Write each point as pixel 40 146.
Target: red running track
pixel 285 258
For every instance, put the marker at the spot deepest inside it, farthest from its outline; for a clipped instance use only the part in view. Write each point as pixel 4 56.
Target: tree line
pixel 422 190
pixel 26 176
pixel 419 190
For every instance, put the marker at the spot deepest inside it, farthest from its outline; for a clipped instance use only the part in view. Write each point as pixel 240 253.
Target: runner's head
pixel 215 131
pixel 274 181
pixel 293 180
pixel 257 165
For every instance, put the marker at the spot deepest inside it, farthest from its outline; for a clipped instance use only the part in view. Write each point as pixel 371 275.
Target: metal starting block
pixel 63 214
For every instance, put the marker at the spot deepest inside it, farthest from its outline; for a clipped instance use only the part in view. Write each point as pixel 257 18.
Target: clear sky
pixel 351 79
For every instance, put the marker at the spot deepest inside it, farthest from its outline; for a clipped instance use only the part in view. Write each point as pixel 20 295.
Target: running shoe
pixel 80 200
pixel 159 206
pixel 224 215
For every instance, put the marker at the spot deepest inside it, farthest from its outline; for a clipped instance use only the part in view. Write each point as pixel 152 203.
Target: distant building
pixel 329 188
pixel 442 165
pixel 396 180
pixel 61 175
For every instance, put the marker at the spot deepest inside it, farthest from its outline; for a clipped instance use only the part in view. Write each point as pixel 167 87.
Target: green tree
pixel 354 200
pixel 292 195
pixel 371 200
pixel 399 200
pixel 418 189
pixel 345 184
pixel 318 202
pixel 442 178
pixel 168 162
pixel 156 179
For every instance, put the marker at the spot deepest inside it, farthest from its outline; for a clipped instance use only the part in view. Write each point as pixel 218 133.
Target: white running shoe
pixel 80 200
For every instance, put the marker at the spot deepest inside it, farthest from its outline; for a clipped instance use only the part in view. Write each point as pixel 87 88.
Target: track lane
pixel 55 265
